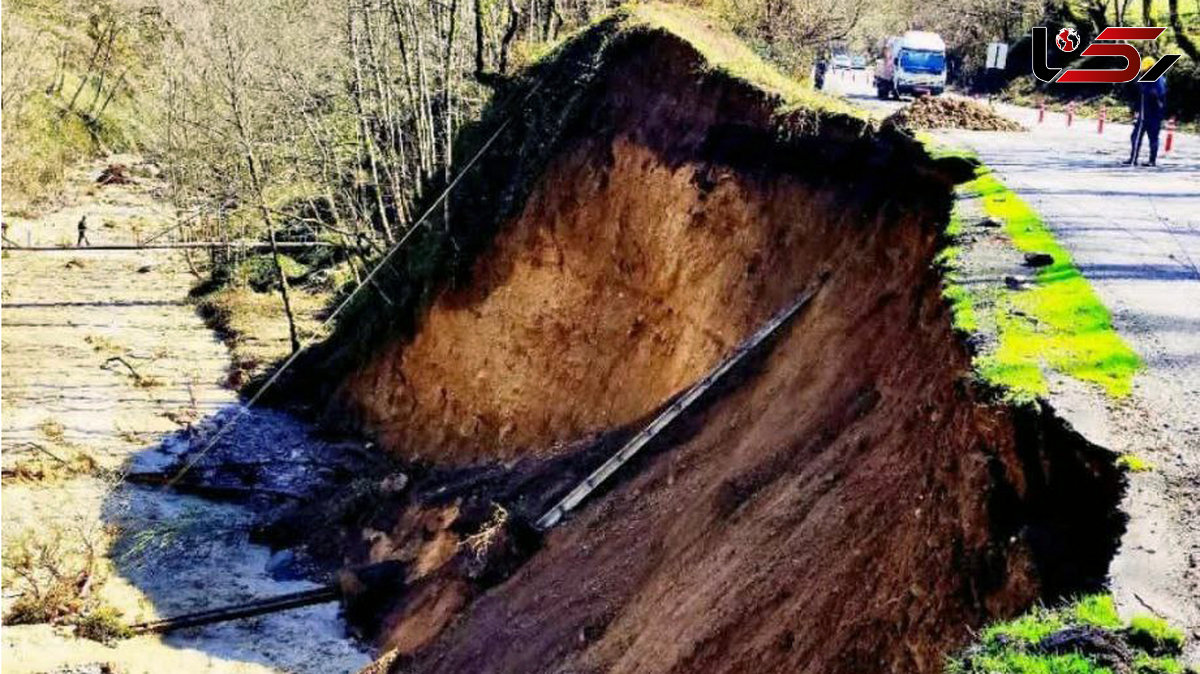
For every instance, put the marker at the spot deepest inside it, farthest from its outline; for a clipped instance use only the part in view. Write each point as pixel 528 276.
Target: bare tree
pixel 234 84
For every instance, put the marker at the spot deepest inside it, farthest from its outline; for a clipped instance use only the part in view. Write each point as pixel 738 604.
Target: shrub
pixel 103 624
pixel 259 272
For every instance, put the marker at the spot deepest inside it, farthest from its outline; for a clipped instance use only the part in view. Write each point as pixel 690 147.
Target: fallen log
pixel 283 602
pixel 372 582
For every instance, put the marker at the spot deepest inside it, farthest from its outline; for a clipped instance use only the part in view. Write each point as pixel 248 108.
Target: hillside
pixel 856 500
pixel 78 84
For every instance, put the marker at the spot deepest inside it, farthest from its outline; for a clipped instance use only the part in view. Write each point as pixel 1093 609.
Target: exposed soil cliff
pixel 855 505
pixel 665 230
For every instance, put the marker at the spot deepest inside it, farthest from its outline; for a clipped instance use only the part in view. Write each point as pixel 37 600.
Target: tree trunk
pixel 235 108
pixel 514 21
pixel 103 71
pixel 364 129
pixel 479 65
pixel 1181 36
pixel 112 92
pixel 1098 15
pixel 84 78
pixel 256 185
pixel 448 107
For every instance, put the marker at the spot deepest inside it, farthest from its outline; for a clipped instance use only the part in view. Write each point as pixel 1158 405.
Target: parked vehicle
pixel 841 62
pixel 858 62
pixel 913 63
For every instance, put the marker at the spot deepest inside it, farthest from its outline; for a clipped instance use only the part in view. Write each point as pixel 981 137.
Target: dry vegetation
pixel 72 72
pixel 42 465
pixel 57 573
pixel 254 326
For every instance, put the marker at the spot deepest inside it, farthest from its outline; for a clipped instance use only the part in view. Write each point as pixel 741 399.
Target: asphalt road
pixel 1135 234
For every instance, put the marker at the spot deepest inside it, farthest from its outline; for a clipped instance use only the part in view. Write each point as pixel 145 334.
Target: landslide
pixel 857 504
pixel 668 218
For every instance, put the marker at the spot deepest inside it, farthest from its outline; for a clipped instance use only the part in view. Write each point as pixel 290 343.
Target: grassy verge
pixel 1056 324
pixel 724 52
pixel 1059 322
pixel 1082 637
pixel 245 309
pixel 254 326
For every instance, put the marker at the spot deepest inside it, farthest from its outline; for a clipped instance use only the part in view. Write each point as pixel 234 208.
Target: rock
pixel 1015 282
pixel 1105 648
pixel 115 174
pixel 395 483
pixel 1038 259
pixel 145 269
pixel 280 564
pixel 990 223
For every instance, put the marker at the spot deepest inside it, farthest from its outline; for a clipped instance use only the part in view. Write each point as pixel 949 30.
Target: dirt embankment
pixel 647 250
pixel 854 506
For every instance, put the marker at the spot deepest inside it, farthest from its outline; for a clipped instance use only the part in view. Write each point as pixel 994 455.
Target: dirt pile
pixel 115 174
pixel 856 504
pixel 950 112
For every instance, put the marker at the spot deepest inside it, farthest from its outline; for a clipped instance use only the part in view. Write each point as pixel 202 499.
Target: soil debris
pixel 115 174
pixel 950 112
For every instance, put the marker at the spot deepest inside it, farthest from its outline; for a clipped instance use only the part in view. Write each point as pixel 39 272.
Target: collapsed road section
pixel 858 503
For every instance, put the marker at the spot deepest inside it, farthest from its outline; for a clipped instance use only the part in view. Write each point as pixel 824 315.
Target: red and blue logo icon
pixel 1067 39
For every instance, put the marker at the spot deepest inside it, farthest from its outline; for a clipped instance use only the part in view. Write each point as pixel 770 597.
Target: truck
pixel 913 63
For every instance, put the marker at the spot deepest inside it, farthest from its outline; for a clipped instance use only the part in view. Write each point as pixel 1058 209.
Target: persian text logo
pixel 1068 41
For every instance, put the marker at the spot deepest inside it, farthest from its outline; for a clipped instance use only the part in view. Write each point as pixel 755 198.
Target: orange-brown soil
pixel 855 505
pixel 635 265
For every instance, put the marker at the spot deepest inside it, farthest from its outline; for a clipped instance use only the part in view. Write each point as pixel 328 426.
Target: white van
pixel 913 63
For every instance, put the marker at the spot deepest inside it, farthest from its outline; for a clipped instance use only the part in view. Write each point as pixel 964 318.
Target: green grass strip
pixel 1057 324
pixel 725 52
pixel 1013 646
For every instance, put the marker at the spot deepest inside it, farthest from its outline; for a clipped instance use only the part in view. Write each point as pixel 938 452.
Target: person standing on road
pixel 819 73
pixel 1152 104
pixel 83 240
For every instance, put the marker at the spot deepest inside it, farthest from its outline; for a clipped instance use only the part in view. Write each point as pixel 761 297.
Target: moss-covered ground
pixel 1085 636
pixel 1057 323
